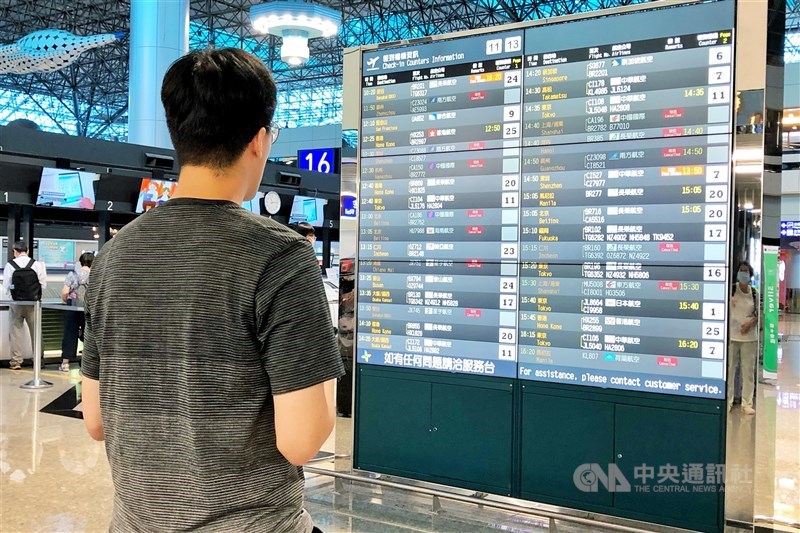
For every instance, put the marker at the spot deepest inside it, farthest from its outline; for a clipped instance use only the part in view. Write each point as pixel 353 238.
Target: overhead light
pixel 294 49
pixel 747 154
pixel 748 206
pixel 295 23
pixel 789 119
pixel 748 169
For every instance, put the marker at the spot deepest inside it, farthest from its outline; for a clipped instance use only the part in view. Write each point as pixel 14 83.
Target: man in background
pixel 306 230
pixel 212 390
pixel 24 279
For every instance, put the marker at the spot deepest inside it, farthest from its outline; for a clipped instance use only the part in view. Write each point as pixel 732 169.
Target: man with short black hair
pixel 22 314
pixel 211 390
pixel 306 230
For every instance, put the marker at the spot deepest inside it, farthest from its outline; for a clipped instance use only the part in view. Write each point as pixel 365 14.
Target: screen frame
pixel 318 211
pixel 527 25
pixel 87 192
pixel 143 185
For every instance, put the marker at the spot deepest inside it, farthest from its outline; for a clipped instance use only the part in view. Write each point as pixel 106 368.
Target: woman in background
pixel 743 337
pixel 73 294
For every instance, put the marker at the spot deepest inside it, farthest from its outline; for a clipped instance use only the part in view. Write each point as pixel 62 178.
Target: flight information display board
pixel 552 203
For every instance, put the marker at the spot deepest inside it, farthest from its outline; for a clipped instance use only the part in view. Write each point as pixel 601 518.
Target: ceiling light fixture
pixel 295 23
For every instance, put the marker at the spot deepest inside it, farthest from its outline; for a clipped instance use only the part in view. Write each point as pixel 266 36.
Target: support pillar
pixel 756 213
pixel 26 229
pixel 20 228
pixel 326 247
pixel 159 36
pixel 103 228
pixel 13 229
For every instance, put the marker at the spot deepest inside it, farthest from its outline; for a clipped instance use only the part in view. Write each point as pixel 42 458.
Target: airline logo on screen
pixel 349 209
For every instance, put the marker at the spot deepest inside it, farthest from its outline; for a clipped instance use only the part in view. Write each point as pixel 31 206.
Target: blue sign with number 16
pixel 324 160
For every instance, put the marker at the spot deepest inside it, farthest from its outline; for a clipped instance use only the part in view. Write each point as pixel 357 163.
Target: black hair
pixel 749 268
pixel 21 247
pixel 216 101
pixel 304 228
pixel 86 259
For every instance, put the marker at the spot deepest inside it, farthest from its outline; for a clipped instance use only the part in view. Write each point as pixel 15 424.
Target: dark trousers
pixel 344 390
pixel 73 328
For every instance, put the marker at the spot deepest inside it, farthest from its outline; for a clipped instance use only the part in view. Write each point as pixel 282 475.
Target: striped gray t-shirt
pixel 197 313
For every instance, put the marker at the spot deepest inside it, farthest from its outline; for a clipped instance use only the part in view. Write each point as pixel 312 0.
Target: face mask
pixel 743 278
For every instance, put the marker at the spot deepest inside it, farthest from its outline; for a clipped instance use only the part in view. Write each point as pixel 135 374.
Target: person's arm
pixel 299 354
pixel 90 373
pixel 90 402
pixel 753 321
pixel 69 286
pixel 42 273
pixel 304 420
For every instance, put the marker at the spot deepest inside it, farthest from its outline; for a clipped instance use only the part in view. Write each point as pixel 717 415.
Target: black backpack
pixel 25 284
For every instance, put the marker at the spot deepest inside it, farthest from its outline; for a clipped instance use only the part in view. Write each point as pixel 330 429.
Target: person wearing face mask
pixel 743 337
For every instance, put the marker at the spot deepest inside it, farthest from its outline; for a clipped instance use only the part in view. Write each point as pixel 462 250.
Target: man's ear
pixel 259 145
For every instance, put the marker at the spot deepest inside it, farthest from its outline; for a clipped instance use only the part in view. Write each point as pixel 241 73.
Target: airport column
pixel 13 231
pixel 159 36
pixel 20 228
pixel 758 184
pixel 104 229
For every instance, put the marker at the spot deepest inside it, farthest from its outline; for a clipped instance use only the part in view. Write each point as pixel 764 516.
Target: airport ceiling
pixel 96 86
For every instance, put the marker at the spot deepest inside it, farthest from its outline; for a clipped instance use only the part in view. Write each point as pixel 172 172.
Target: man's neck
pixel 743 288
pixel 210 184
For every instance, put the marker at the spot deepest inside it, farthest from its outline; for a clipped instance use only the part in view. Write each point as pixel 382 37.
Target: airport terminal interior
pixel 559 242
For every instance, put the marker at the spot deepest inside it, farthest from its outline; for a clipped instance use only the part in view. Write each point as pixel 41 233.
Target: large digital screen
pixel 307 209
pixel 552 203
pixel 66 188
pixel 57 254
pixel 153 193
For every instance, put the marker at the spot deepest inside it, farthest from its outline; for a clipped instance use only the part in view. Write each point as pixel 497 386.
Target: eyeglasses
pixel 275 132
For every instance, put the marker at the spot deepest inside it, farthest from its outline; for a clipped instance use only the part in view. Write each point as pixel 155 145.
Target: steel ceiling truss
pixel 90 97
pixel 792 46
pixel 226 23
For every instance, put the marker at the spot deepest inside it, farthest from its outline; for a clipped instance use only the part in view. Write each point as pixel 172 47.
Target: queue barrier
pixel 37 383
